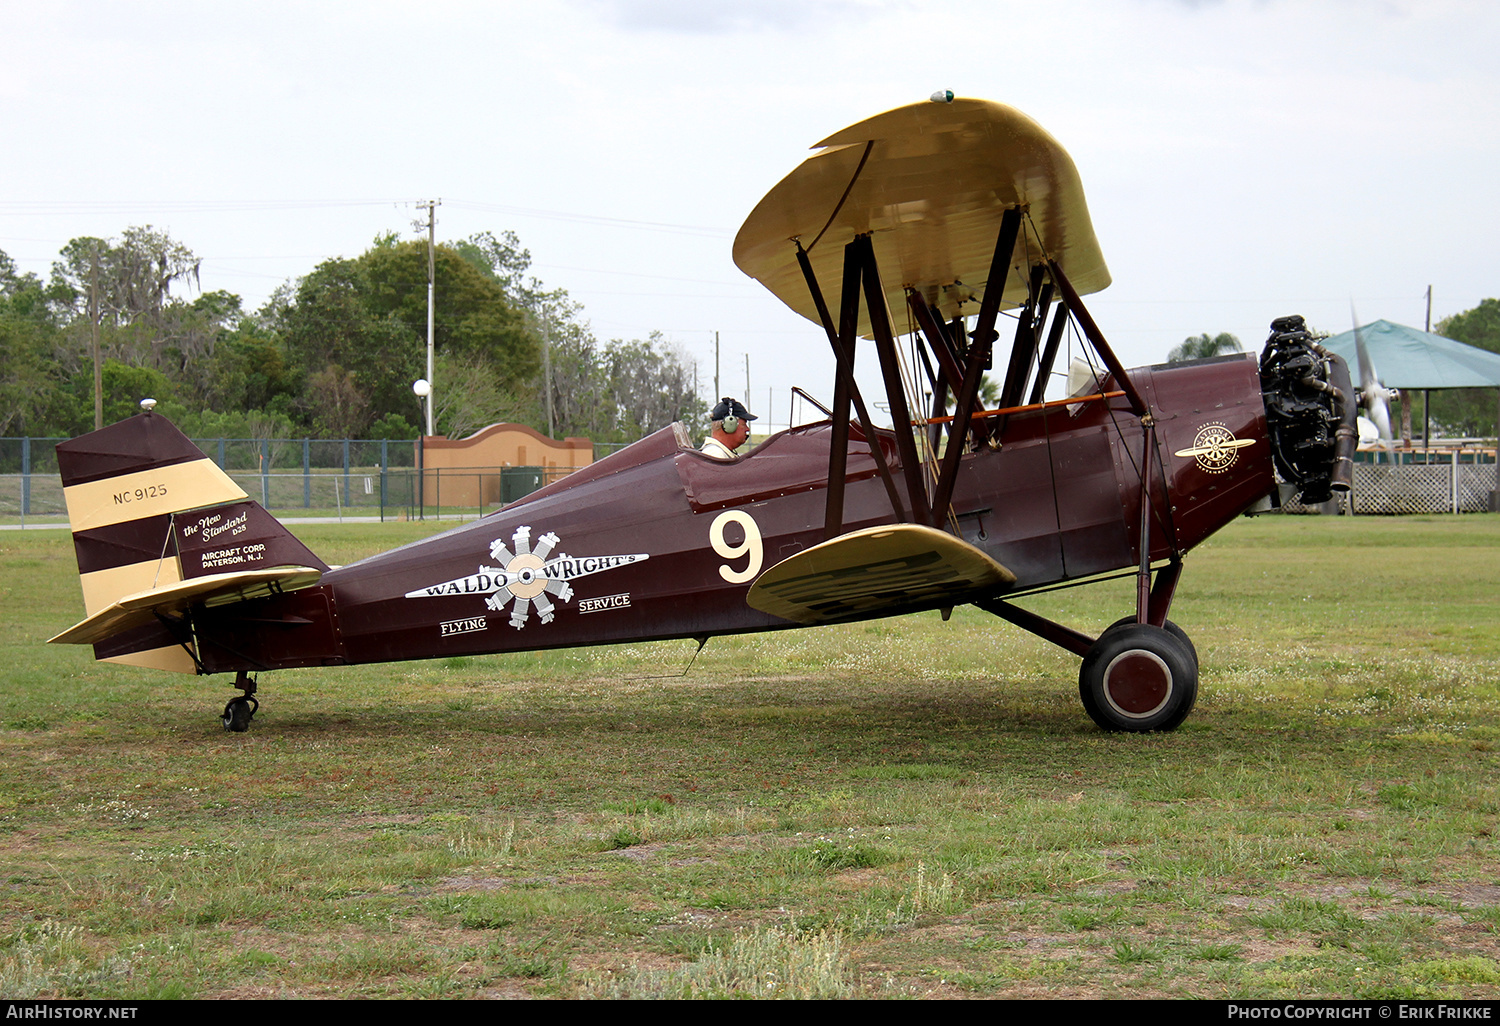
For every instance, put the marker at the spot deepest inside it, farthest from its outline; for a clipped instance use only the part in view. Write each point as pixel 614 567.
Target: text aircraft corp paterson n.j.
pixel 927 221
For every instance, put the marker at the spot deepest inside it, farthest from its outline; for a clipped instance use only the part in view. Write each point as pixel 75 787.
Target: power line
pixel 611 222
pixel 53 208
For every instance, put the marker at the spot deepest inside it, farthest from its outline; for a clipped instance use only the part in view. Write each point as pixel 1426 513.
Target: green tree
pixel 333 353
pixel 1469 412
pixel 567 389
pixel 32 380
pixel 650 386
pixel 474 395
pixel 232 424
pixel 332 336
pixel 471 312
pixel 505 262
pixel 116 298
pixel 250 370
pixel 124 386
pixel 357 331
pixel 393 427
pixel 339 408
pixel 1201 347
pixel 613 392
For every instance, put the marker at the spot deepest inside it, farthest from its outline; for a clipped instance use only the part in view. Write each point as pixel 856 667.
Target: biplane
pixel 940 222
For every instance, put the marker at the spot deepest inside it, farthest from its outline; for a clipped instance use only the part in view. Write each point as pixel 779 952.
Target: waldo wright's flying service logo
pixel 528 576
pixel 1215 447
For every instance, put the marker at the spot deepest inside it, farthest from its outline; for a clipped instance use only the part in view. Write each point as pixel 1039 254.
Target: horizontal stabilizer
pixel 143 607
pixel 880 570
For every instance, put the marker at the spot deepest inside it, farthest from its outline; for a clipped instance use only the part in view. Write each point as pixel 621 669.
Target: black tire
pixel 238 713
pixel 1172 629
pixel 1138 678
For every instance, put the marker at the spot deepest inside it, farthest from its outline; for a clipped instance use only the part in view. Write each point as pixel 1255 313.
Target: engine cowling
pixel 1310 411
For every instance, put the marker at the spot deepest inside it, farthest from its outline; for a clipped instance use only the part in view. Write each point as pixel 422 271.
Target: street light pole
pixel 423 391
pixel 431 227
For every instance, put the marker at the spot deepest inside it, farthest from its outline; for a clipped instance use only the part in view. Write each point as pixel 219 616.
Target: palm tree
pixel 1200 347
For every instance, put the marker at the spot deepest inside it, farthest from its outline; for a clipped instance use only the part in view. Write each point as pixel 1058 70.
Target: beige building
pixel 485 469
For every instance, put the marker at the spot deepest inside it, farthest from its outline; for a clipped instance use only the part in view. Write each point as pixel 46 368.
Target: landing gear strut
pixel 239 711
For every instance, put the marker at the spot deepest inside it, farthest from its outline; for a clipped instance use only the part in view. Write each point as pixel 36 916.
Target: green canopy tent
pixel 1414 360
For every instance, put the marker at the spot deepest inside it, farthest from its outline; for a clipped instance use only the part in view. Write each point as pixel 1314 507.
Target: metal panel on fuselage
pixel 1213 445
pixel 1005 505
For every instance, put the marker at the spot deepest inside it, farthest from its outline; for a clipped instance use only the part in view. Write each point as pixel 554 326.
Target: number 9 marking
pixel 751 545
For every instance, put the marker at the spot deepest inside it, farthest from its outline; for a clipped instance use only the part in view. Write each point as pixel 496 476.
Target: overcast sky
pixel 1242 159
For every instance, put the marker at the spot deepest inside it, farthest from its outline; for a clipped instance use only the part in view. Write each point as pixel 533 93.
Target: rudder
pixel 148 510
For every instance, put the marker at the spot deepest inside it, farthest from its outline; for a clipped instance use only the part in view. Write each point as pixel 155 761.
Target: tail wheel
pixel 238 713
pixel 1138 678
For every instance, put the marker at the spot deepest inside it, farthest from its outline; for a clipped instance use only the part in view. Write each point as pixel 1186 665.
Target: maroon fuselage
pixel 656 541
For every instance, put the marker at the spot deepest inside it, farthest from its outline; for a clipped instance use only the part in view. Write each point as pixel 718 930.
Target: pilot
pixel 731 428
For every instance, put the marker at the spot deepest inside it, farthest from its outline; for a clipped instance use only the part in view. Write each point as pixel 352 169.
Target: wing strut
pixel 959 368
pixel 1028 331
pixel 1096 338
pixel 979 350
pixel 940 341
pixel 863 251
pixel 1049 355
pixel 937 338
pixel 845 389
pixel 1149 604
pixel 1143 578
pixel 938 395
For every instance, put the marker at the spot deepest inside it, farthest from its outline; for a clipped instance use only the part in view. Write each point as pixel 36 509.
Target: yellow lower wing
pixel 879 569
pixel 216 589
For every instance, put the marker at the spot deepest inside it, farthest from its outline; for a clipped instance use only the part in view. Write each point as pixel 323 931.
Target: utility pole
pixel 547 371
pixel 717 394
pixel 747 381
pixel 431 227
pixel 94 338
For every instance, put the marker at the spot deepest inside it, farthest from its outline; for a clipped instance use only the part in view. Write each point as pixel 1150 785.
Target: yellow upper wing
pixel 931 192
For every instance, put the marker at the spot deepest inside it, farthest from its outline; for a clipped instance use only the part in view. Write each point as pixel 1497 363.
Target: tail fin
pixel 157 526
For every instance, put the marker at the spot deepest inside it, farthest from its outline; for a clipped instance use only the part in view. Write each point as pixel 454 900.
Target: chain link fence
pixel 296 477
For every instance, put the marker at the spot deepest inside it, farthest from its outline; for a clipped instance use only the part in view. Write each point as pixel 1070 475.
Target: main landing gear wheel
pixel 1172 629
pixel 238 712
pixel 1138 678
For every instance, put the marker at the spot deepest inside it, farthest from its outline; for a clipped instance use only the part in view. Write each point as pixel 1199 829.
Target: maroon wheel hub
pixel 1137 683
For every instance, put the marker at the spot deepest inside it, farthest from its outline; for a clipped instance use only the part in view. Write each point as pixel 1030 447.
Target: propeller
pixel 1374 397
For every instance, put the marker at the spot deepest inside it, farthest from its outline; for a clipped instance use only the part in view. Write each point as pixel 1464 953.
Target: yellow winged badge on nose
pixel 1215 448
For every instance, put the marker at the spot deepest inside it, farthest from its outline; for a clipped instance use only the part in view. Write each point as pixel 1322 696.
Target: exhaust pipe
pixel 1346 436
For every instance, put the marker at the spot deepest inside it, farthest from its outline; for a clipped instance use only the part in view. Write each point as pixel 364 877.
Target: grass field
pixel 900 808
